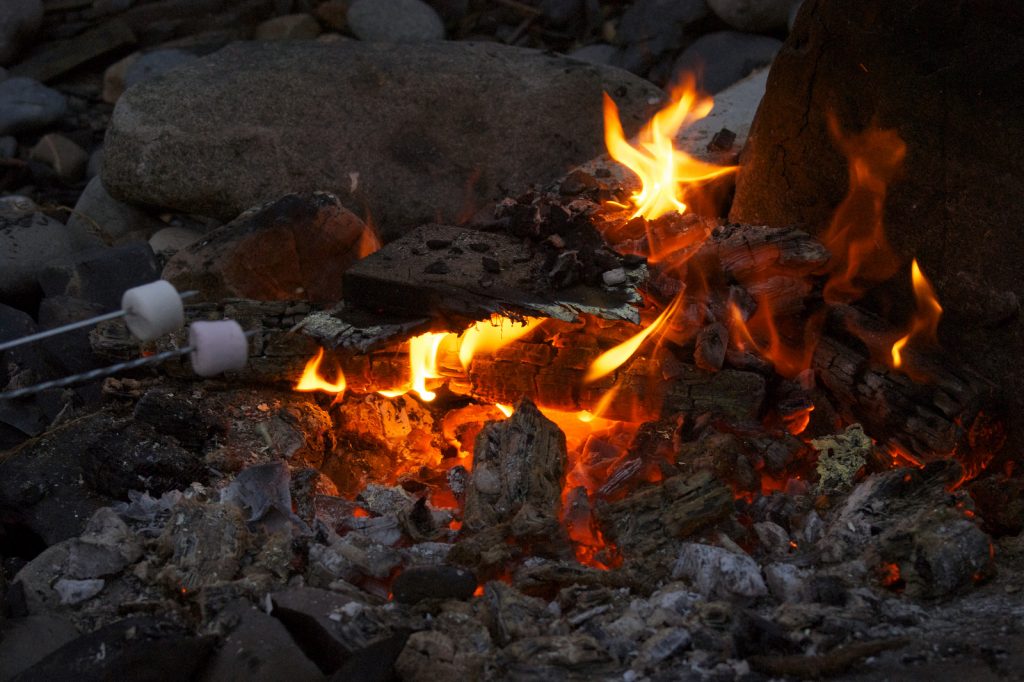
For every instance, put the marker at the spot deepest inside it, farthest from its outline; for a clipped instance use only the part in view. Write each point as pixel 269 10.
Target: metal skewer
pixel 102 371
pixel 13 343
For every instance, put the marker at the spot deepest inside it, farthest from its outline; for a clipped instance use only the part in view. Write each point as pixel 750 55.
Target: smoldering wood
pixel 518 473
pixel 930 420
pixel 450 271
pixel 752 253
pixel 677 507
pixel 710 346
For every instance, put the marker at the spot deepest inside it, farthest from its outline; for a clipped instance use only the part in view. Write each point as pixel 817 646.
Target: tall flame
pixel 423 350
pixel 311 380
pixel 663 170
pixel 861 254
pixel 925 322
pixel 612 359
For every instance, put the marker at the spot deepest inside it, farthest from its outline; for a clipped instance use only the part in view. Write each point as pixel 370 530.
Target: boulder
pixel 407 133
pixel 294 248
pixel 945 77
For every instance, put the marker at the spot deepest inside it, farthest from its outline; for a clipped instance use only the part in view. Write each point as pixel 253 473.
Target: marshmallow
pixel 152 310
pixel 218 346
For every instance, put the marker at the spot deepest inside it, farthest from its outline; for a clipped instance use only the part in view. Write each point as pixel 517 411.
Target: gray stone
pixel 100 275
pixel 409 133
pixel 105 548
pixel 170 240
pixel 717 572
pixel 156 63
pixel 27 104
pixel 19 21
pixel 8 147
pixel 258 648
pixel 720 59
pixel 101 220
pixel 394 21
pixel 75 591
pixel 288 27
pixel 25 641
pixel 113 77
pixel 651 28
pixel 95 165
pixel 753 15
pixel 789 583
pixel 62 155
pixel 27 243
pixel 69 352
pixel 599 53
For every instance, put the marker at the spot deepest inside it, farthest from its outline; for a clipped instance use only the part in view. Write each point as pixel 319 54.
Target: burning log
pixel 945 417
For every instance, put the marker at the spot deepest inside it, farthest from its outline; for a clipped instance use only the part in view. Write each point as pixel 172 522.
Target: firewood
pixel 677 507
pixel 929 420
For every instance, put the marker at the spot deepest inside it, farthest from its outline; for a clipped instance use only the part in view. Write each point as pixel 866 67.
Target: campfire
pixel 594 429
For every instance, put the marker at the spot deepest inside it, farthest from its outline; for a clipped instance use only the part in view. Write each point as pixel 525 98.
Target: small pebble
pixel 614 277
pixel 61 154
pixel 479 247
pixel 438 243
pixel 491 265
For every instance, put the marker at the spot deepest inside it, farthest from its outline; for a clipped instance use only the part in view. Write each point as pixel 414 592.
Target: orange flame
pixel 663 170
pixel 311 380
pixel 861 254
pixel 423 351
pixel 612 359
pixel 490 335
pixel 925 322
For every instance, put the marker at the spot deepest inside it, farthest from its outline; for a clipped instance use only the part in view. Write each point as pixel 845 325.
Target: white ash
pixel 716 572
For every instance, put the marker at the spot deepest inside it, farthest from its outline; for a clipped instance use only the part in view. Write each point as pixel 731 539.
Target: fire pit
pixel 592 429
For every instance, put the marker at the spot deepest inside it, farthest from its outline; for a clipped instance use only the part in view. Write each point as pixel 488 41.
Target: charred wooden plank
pixel 451 271
pixel 750 253
pixel 676 508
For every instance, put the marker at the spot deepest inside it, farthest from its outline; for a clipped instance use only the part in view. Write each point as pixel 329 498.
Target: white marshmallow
pixel 152 310
pixel 219 346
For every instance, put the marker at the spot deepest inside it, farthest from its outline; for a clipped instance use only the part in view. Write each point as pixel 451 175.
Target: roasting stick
pixel 215 347
pixel 152 310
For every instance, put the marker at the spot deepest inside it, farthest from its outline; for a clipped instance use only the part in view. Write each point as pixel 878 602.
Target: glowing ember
pixel 663 170
pixel 612 359
pixel 925 322
pixel 506 410
pixel 311 380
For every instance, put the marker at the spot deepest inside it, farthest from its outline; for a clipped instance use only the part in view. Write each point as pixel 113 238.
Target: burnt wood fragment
pixel 451 271
pixel 518 472
pixel 640 523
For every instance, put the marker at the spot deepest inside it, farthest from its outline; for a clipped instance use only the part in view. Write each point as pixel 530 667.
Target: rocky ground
pixel 130 129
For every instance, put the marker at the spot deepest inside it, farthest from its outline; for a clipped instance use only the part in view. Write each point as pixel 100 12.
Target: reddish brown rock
pixel 294 248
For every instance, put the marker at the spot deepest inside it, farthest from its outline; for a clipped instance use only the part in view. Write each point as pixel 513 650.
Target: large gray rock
pixel 720 59
pixel 397 21
pixel 27 104
pixel 27 243
pixel 406 133
pixel 19 21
